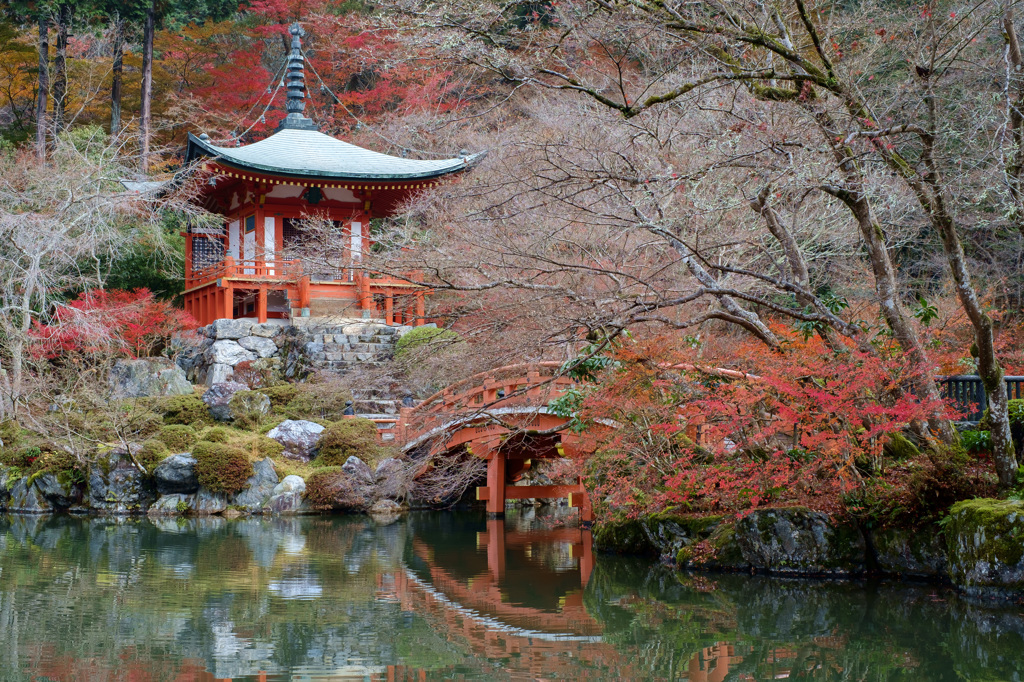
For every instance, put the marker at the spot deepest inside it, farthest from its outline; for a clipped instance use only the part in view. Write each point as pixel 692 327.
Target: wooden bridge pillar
pixel 496 485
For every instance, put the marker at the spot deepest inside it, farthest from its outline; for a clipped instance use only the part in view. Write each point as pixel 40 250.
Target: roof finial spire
pixel 295 82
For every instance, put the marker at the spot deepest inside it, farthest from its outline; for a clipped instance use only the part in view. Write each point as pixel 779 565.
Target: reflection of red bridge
pixel 555 639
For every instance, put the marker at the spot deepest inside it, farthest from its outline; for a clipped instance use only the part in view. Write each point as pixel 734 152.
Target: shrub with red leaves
pixel 110 323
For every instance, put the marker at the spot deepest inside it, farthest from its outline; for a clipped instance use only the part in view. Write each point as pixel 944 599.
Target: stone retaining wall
pixel 289 349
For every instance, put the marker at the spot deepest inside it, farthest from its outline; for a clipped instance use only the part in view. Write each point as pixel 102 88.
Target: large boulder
pixel 229 353
pixel 117 487
pixel 358 470
pixel 27 499
pixel 298 436
pixel 261 346
pixel 60 495
pixel 267 330
pixel 219 374
pixel 205 502
pixel 795 540
pixel 391 480
pixel 985 545
pixel 229 329
pixel 148 378
pixel 219 395
pixel 171 505
pixel 176 475
pixel 287 496
pixel 259 488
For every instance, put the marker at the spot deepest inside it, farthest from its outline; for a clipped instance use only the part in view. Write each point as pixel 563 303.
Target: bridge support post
pixel 496 485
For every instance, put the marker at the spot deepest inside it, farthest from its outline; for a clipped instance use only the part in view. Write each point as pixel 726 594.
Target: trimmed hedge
pixel 347 438
pixel 178 437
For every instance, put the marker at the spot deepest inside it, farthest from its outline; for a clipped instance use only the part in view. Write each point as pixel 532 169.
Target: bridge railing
pixel 526 384
pixel 967 393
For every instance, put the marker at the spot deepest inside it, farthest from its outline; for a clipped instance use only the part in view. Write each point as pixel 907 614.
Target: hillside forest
pixel 825 198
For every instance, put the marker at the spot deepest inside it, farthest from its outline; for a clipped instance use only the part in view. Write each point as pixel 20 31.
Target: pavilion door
pixel 249 242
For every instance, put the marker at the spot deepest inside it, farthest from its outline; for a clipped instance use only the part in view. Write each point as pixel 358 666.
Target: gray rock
pixel 259 345
pixel 248 403
pixel 358 470
pixel 219 374
pixel 259 488
pixel 57 494
pixel 799 541
pixel 218 396
pixel 985 547
pixel 5 489
pixel 266 329
pixel 911 552
pixel 229 329
pixel 226 352
pixel 386 508
pixel 148 378
pixel 117 487
pixel 206 502
pixel 27 499
pixel 176 475
pixel 392 483
pixel 298 436
pixel 290 484
pixel 172 505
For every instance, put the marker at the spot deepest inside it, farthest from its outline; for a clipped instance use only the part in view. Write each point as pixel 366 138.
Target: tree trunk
pixel 1015 104
pixel 44 85
pixel 147 83
pixel 60 69
pixel 117 70
pixel 887 291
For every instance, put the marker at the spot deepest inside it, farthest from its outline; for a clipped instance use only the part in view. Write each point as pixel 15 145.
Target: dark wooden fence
pixel 967 393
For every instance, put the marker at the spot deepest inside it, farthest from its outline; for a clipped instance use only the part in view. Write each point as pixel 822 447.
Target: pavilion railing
pixel 967 393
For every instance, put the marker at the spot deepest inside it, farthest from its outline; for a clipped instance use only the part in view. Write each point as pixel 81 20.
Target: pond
pixel 448 596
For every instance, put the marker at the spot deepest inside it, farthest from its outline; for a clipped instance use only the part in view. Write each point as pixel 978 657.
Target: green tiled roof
pixel 311 154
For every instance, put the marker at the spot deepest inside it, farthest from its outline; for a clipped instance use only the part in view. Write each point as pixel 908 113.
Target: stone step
pixel 376 405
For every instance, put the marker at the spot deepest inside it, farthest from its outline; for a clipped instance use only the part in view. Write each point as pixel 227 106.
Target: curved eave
pixel 197 148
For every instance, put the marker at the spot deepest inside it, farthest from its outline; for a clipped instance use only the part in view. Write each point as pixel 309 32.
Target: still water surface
pixel 448 596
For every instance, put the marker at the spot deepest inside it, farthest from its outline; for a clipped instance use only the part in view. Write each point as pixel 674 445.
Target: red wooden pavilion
pixel 263 189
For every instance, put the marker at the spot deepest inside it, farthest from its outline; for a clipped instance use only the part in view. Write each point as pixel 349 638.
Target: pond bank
pixel 979 549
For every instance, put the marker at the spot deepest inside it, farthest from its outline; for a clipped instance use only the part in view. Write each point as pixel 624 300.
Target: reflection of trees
pixel 99 599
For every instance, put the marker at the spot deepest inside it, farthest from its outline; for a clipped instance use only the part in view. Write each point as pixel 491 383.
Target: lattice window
pixel 207 250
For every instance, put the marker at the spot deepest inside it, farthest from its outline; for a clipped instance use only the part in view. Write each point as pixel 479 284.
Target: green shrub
pixel 268 447
pixel 152 453
pixel 10 434
pixel 178 437
pixel 347 438
pixel 218 434
pixel 21 457
pixel 221 468
pixel 280 395
pixel 976 442
pixel 420 338
pixel 245 406
pixel 184 409
pixel 321 487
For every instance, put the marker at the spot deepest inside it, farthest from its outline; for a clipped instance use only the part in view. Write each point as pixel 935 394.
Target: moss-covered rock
pixel 184 409
pixel 624 537
pixel 899 448
pixel 917 552
pixel 985 545
pixel 799 541
pixel 177 437
pixel 665 534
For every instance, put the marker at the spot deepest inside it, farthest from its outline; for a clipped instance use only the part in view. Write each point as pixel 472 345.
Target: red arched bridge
pixel 502 417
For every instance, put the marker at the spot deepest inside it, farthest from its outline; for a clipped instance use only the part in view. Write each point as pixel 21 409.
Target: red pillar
pixel 496 548
pixel 496 485
pixel 261 303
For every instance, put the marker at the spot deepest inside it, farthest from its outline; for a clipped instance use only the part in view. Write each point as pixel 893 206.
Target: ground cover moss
pixel 178 437
pixel 184 409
